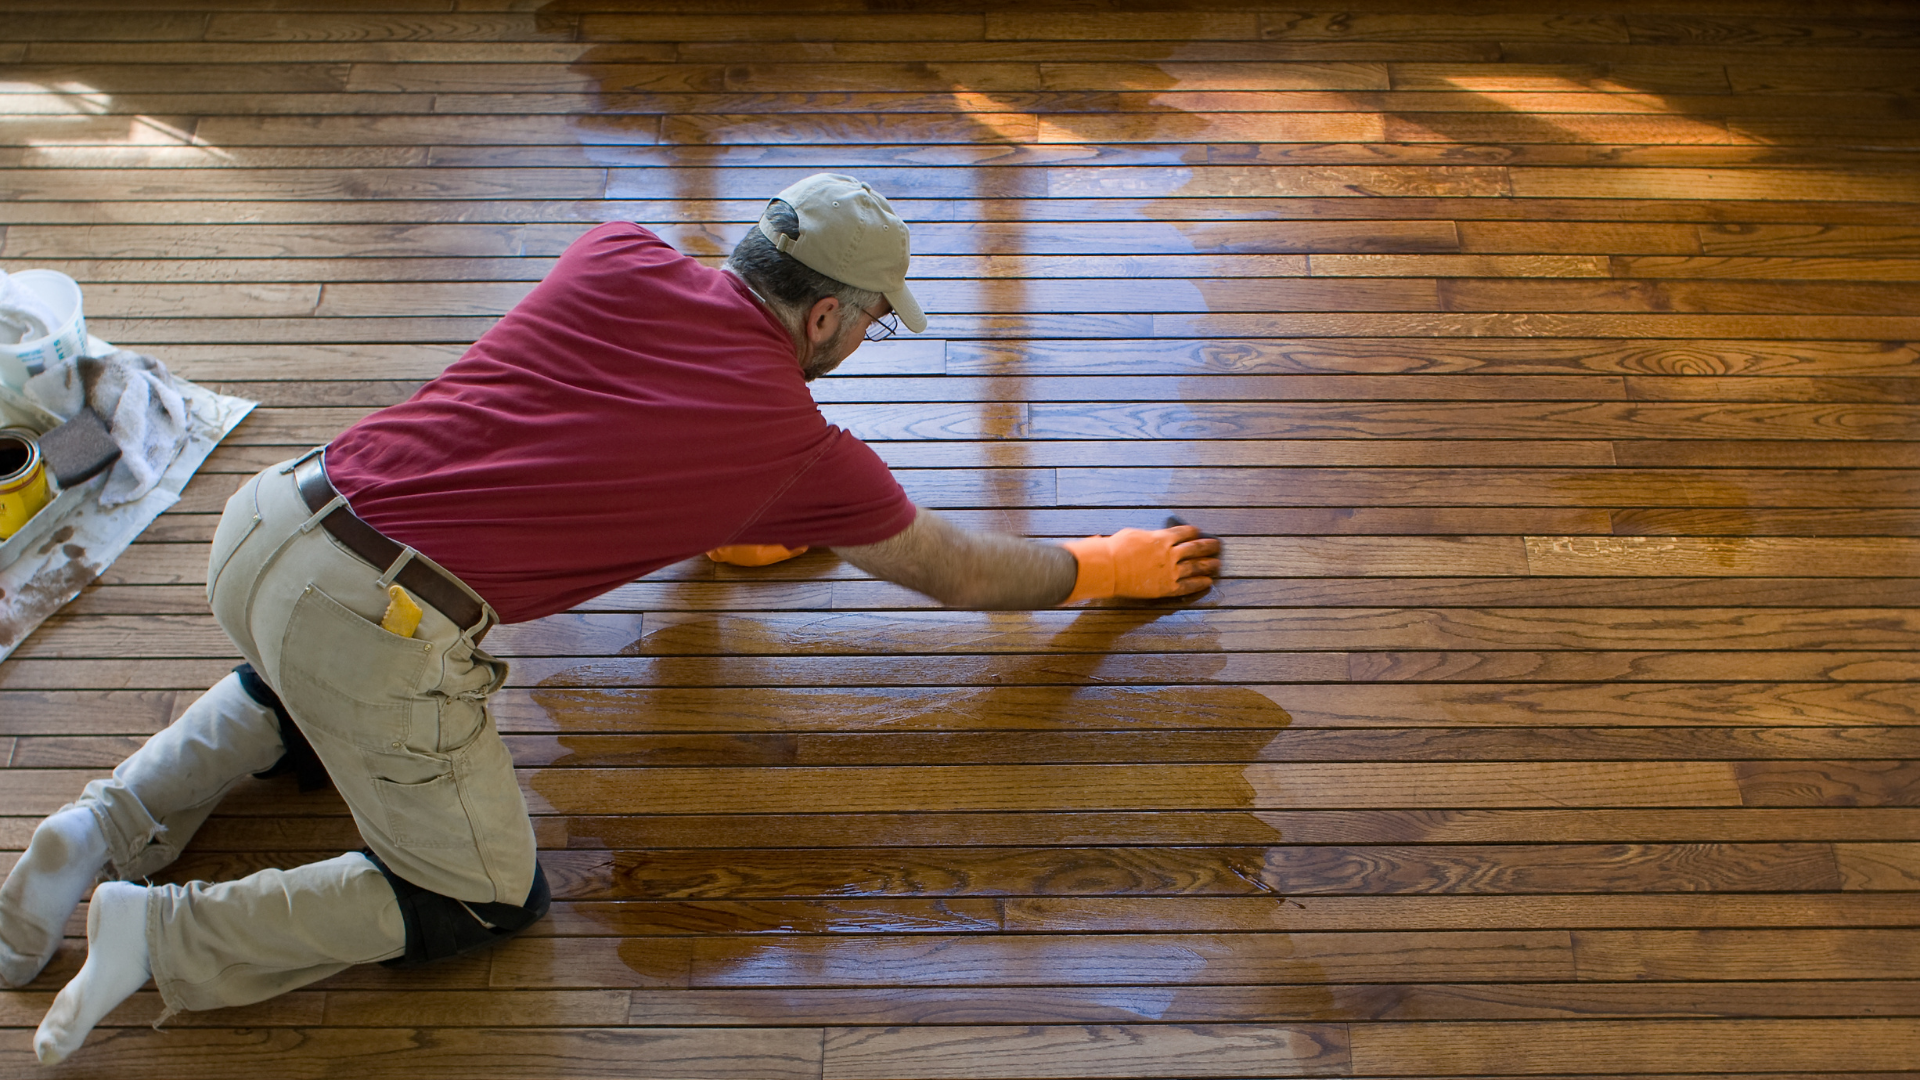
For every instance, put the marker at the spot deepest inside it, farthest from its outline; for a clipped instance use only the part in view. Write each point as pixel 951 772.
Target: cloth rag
pixel 144 410
pixel 23 315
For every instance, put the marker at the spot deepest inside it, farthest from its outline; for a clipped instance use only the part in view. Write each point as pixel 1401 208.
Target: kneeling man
pixel 637 408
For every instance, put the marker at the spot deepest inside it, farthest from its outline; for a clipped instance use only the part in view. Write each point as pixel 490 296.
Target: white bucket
pixel 19 360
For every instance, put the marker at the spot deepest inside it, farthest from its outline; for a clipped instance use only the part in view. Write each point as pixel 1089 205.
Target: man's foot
pixel 116 966
pixel 61 863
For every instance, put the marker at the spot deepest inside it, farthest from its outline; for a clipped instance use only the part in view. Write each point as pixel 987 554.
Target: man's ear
pixel 822 321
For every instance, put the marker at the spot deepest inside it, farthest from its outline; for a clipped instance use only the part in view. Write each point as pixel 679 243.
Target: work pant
pixel 401 725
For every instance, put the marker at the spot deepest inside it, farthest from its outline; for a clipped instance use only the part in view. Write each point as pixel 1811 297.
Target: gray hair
pixel 788 285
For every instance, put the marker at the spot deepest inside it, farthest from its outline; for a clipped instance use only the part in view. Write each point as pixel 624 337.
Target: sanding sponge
pixel 1174 522
pixel 80 449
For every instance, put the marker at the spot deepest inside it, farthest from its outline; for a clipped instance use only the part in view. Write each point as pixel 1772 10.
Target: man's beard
pixel 824 360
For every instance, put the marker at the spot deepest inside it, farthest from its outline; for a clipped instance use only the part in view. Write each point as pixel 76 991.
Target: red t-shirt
pixel 637 408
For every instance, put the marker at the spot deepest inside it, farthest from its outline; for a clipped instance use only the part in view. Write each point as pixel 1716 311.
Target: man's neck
pixel 801 350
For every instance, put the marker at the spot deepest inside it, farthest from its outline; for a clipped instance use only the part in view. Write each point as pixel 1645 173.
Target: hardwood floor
pixel 1550 370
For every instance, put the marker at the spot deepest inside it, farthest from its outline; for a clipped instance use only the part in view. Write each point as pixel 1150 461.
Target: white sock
pixel 61 863
pixel 116 966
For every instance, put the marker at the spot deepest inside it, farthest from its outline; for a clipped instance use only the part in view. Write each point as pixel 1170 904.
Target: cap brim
pixel 908 309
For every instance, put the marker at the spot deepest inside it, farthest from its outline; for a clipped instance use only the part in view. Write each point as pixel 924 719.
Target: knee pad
pixel 299 759
pixel 439 926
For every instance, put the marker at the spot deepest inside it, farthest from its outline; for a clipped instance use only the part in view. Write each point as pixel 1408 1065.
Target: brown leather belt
pixel 417 577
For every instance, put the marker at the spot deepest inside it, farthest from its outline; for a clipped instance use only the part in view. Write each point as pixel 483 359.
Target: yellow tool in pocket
pixel 403 615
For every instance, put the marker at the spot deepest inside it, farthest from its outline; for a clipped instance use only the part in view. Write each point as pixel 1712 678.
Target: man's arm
pixel 993 571
pixel 962 569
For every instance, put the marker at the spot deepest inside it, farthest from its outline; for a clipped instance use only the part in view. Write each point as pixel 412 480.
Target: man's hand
pixel 1139 564
pixel 753 554
pixel 991 571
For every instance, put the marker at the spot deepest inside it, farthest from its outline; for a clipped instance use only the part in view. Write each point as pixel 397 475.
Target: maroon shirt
pixel 637 408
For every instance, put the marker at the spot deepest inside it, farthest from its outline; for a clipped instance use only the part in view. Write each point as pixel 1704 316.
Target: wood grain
pixel 1198 1050
pixel 1270 1004
pixel 580 713
pixel 1171 787
pixel 319 1052
pixel 1330 870
pixel 1549 372
pixel 1849 824
pixel 1646 1045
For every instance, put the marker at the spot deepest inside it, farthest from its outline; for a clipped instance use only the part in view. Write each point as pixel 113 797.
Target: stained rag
pixel 144 410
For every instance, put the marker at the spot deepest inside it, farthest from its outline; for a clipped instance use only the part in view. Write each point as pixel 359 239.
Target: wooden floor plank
pixel 1384 1049
pixel 710 1054
pixel 1857 830
pixel 1173 787
pixel 1103 960
pixel 1229 1004
pixel 1091 1050
pixel 1311 871
pixel 1454 1049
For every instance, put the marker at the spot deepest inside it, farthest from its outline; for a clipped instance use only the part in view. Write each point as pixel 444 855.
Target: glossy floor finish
pixel 1549 369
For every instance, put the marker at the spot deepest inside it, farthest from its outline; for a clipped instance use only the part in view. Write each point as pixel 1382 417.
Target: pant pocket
pixel 426 814
pixel 462 719
pixel 355 690
pixel 468 678
pixel 341 673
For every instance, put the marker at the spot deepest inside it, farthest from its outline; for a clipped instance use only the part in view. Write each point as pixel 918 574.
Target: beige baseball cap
pixel 849 232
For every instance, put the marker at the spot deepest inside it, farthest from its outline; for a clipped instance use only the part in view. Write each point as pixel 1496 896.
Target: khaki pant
pixel 401 724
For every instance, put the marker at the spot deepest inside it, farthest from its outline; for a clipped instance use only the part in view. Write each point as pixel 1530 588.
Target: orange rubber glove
pixel 753 554
pixel 1144 565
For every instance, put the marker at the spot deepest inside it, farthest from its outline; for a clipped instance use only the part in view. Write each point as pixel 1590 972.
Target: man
pixel 636 409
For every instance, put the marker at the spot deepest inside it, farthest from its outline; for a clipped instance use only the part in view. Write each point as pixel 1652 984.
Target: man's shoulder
pixel 625 236
pixel 624 228
pixel 628 248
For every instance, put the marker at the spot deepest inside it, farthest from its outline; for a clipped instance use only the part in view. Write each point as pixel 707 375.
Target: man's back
pixel 635 409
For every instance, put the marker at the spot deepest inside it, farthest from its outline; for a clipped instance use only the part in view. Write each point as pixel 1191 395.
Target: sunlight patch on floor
pixel 75 120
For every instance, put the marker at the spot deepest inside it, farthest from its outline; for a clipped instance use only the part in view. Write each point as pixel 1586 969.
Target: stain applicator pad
pixel 80 449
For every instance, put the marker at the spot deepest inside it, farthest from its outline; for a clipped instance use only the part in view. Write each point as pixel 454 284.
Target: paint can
pixel 23 480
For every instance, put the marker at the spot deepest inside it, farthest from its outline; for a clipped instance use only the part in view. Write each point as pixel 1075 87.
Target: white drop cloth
pixel 76 537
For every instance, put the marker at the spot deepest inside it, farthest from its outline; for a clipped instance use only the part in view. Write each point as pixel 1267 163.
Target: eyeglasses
pixel 880 327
